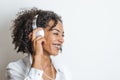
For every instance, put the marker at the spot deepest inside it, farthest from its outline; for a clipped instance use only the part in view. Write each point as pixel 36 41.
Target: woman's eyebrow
pixel 56 30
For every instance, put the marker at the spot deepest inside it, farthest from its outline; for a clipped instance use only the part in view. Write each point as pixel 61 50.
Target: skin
pixel 46 46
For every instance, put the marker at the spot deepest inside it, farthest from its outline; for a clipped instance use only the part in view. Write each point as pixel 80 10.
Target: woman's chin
pixel 54 53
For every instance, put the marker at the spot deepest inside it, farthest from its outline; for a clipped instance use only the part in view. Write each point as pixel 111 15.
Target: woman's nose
pixel 61 39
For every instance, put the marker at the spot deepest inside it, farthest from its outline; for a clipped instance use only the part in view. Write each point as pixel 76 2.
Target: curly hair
pixel 22 26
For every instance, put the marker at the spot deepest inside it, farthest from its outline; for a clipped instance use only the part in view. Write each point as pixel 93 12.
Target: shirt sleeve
pixel 16 72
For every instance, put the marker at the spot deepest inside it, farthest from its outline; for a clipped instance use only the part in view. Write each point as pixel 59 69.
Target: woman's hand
pixel 38 49
pixel 37 42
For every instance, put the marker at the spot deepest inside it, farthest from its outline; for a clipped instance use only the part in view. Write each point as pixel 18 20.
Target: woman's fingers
pixel 34 33
pixel 38 45
pixel 37 42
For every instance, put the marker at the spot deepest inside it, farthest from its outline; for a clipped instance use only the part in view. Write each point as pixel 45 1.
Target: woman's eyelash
pixel 55 33
pixel 58 34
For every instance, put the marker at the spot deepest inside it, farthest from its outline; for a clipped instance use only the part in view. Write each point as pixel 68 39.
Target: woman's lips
pixel 57 46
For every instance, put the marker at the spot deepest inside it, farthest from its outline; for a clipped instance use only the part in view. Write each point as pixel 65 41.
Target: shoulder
pixel 17 69
pixel 18 65
pixel 15 64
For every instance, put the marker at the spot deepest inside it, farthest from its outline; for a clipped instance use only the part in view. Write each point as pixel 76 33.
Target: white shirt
pixel 22 70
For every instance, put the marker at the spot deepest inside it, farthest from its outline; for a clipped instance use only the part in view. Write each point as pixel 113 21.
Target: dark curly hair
pixel 22 26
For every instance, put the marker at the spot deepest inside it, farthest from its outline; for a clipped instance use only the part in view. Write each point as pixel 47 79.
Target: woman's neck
pixel 46 60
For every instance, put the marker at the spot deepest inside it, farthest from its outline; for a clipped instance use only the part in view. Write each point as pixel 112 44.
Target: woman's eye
pixel 55 33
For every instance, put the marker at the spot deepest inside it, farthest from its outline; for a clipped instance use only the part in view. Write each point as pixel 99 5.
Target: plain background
pixel 92 35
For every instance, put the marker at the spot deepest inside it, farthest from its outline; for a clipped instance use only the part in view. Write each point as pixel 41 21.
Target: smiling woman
pixel 38 64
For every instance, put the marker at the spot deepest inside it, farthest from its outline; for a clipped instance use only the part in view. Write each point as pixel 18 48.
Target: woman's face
pixel 54 38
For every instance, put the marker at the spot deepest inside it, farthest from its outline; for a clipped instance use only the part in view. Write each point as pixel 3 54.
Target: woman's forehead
pixel 58 28
pixel 51 24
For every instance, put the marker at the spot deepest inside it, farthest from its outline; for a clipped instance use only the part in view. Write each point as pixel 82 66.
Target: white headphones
pixel 34 26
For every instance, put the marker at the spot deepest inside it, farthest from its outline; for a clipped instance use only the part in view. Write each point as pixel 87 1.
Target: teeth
pixel 57 46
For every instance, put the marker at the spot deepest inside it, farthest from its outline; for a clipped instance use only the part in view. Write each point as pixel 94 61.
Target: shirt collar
pixel 56 65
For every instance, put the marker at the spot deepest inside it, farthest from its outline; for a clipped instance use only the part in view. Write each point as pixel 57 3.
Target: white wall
pixel 92 35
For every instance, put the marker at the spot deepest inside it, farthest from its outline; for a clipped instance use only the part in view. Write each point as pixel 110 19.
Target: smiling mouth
pixel 57 46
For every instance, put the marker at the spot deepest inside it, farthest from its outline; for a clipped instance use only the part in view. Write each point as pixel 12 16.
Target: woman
pixel 37 65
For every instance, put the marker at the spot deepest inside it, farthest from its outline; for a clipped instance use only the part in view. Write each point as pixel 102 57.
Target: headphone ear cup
pixel 40 33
